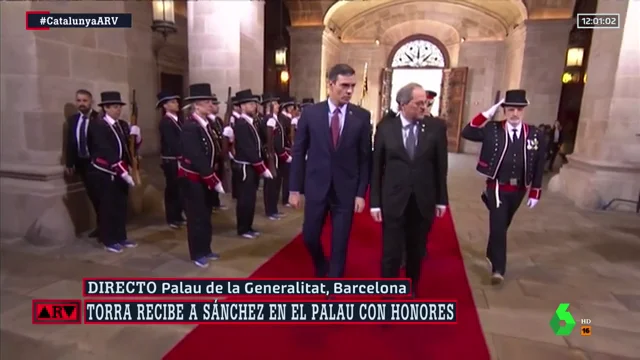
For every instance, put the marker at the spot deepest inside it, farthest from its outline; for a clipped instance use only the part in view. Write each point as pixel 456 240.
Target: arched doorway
pixel 424 59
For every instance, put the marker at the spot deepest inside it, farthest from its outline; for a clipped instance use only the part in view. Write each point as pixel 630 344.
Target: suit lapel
pixel 325 125
pixel 348 120
pixel 398 136
pixel 422 134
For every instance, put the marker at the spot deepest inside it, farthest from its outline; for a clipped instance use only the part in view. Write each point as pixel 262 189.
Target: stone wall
pixel 542 67
pixel 331 55
pixel 605 164
pixel 485 60
pixel 226 45
pixel 306 61
pixel 40 72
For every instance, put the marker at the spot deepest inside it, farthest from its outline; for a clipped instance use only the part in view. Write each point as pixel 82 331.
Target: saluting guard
pixel 197 175
pixel 287 107
pixel 512 158
pixel 170 128
pixel 248 163
pixel 111 161
pixel 217 126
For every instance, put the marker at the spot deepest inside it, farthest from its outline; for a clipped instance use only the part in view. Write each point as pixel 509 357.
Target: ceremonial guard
pixel 170 128
pixel 235 114
pixel 216 126
pixel 248 163
pixel 197 175
pixel 279 156
pixel 78 154
pixel 512 158
pixel 287 108
pixel 111 159
pixel 228 147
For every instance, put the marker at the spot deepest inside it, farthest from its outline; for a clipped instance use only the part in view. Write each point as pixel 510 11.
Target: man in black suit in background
pixel 78 157
pixel 409 182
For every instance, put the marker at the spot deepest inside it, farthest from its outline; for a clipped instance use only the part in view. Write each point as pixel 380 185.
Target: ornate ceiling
pixel 353 20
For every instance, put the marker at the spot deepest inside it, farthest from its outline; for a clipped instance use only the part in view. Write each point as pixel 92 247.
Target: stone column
pixel 543 63
pixel 605 164
pixel 306 62
pixel 40 72
pixel 226 45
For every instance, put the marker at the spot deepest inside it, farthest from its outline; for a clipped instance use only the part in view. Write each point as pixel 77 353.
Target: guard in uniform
pixel 512 158
pixel 235 115
pixel 111 161
pixel 216 125
pixel 78 154
pixel 228 149
pixel 280 156
pixel 248 163
pixel 287 108
pixel 170 129
pixel 197 175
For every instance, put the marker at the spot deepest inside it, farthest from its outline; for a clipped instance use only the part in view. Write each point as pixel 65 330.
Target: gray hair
pixel 405 94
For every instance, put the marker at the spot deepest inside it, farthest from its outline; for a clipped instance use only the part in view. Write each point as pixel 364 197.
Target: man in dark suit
pixel 409 181
pixel 78 157
pixel 331 160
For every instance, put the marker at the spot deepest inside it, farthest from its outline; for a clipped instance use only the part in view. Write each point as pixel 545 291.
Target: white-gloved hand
pixel 488 114
pixel 531 203
pixel 219 188
pixel 128 179
pixel 289 159
pixel 135 131
pixel 267 174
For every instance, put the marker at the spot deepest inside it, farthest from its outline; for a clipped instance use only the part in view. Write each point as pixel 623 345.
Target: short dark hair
pixel 340 69
pixel 84 92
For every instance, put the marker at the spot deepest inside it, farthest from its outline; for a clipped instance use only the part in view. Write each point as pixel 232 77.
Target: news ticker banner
pixel 44 20
pixel 140 312
pixel 156 287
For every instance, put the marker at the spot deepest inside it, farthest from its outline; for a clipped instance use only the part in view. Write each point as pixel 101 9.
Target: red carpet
pixel 443 278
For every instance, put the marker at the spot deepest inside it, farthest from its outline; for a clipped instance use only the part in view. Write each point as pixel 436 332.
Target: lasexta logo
pixel 562 314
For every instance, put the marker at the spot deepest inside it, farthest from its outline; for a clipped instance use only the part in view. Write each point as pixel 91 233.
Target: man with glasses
pixel 409 182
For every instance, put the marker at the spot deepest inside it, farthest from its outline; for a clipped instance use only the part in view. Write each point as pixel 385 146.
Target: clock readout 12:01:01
pixel 598 21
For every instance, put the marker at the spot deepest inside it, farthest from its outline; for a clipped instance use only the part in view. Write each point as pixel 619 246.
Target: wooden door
pixel 173 83
pixel 385 91
pixel 454 83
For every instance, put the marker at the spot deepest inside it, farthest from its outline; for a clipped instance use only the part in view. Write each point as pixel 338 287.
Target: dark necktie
pixel 515 135
pixel 335 127
pixel 83 151
pixel 410 143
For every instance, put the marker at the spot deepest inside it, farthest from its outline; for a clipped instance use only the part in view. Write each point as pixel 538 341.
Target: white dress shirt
pixel 510 130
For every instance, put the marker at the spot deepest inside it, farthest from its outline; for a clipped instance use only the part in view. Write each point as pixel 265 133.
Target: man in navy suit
pixel 78 158
pixel 331 166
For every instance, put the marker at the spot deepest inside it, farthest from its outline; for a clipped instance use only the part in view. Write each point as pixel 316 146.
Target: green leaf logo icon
pixel 562 315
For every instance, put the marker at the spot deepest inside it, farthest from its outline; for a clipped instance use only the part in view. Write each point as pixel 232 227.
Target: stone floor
pixel 557 254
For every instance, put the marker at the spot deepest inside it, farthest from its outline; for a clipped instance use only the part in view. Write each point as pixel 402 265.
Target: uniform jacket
pixel 494 138
pixel 170 131
pixel 109 146
pixel 198 150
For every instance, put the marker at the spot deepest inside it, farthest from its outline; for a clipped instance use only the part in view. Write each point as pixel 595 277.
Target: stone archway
pixel 424 59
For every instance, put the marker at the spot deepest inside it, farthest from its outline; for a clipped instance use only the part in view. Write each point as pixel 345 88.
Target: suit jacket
pixel 109 146
pixel 71 156
pixel 317 166
pixel 395 176
pixel 198 149
pixel 495 138
pixel 170 131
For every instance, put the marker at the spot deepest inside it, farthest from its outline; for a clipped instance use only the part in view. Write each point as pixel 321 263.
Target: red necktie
pixel 335 127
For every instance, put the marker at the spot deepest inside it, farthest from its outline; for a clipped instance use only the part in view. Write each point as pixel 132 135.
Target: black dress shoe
pixel 93 233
